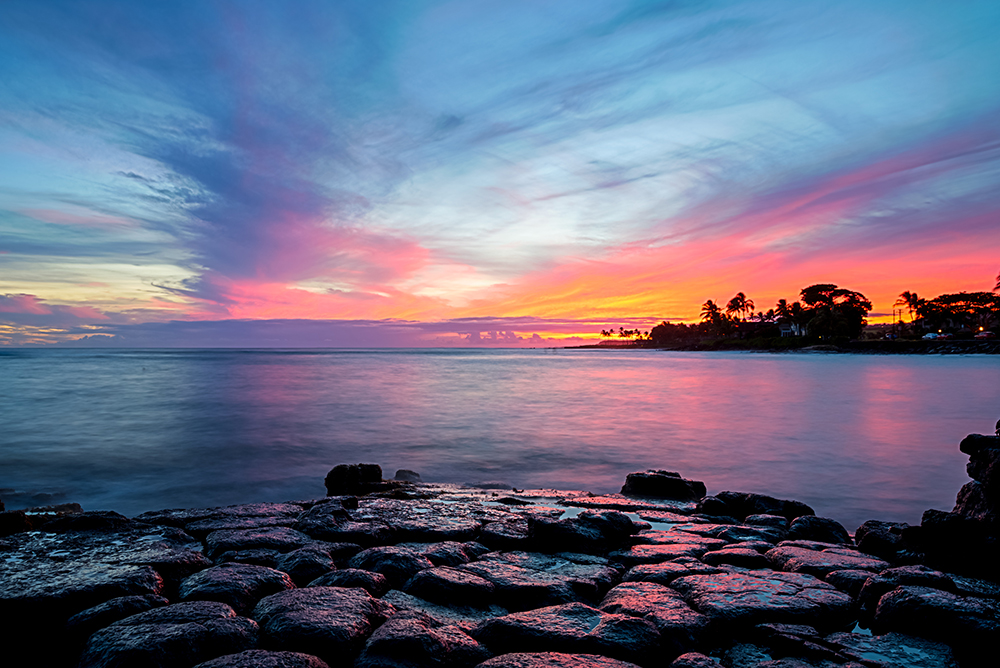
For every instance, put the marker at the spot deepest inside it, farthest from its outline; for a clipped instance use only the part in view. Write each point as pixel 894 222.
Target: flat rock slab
pixel 414 640
pixel 667 517
pixel 627 504
pixel 202 528
pixel 894 649
pixel 239 586
pixel 939 615
pixel 462 616
pixel 175 635
pixel 822 562
pixel 589 576
pixel 677 537
pixel 755 597
pixel 280 539
pixel 50 577
pixel 329 622
pixel 667 572
pixel 681 628
pixel 397 564
pixel 375 584
pixel 553 660
pixel 450 586
pixel 181 517
pixel 733 533
pixel 742 557
pixel 654 554
pixel 83 624
pixel 571 628
pixel 260 658
pixel 427 520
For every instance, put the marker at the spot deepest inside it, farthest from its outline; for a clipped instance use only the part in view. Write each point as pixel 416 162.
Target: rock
pixel 96 520
pixel 375 584
pixel 201 528
pixel 666 573
pixel 450 586
pixel 893 649
pixel 280 539
pixel 742 504
pixel 848 580
pixel 406 475
pixel 450 553
pixel 776 521
pixel 14 521
pixel 182 634
pixel 822 562
pixel 732 533
pixel 518 588
pixel 823 529
pixel 553 660
pixel 464 617
pixel 83 624
pixel 306 563
pixel 588 576
pixel 332 522
pixel 268 558
pixel 329 622
pixel 753 597
pixel 970 625
pixel 663 485
pixel 678 537
pixel 654 554
pixel 590 531
pixel 882 539
pixel 713 506
pixel 571 628
pixel 957 544
pixel 413 639
pixel 357 479
pixel 239 586
pixel 426 520
pixel 509 533
pixel 681 628
pixel 695 660
pixel 397 564
pixel 259 658
pixel 181 518
pixel 742 557
pixel 878 585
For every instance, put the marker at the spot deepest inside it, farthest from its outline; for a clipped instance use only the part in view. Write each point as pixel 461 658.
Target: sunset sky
pixel 483 173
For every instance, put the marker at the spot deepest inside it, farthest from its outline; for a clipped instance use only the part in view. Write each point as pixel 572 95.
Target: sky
pixel 360 173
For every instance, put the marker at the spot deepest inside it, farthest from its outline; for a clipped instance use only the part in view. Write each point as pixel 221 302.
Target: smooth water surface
pixel 856 437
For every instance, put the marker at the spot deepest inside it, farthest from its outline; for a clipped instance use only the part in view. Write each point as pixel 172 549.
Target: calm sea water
pixel 856 437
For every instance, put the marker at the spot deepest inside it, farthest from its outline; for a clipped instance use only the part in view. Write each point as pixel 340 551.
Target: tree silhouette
pixel 710 312
pixel 997 287
pixel 740 305
pixel 835 311
pixel 910 300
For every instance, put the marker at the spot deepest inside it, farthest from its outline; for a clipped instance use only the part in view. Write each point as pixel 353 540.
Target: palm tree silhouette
pixel 710 312
pixel 740 305
pixel 910 300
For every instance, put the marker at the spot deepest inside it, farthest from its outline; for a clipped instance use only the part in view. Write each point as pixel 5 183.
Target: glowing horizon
pixel 545 172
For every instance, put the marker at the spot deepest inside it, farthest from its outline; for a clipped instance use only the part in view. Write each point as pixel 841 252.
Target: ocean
pixel 857 437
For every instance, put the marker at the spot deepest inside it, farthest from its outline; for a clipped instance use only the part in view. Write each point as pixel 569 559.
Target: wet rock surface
pixel 418 574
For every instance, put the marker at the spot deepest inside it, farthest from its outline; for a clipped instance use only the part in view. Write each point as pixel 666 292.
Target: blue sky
pixel 433 162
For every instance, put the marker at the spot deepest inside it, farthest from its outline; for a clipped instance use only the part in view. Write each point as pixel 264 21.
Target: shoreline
pixel 404 573
pixel 875 347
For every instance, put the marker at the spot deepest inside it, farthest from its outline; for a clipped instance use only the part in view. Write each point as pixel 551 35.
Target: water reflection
pixel 856 437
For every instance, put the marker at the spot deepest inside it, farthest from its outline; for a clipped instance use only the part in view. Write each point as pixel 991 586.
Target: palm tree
pixel 910 300
pixel 740 305
pixel 710 312
pixel 997 288
pixel 782 310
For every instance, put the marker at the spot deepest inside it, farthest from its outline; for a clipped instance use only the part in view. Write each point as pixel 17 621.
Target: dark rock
pixel 822 529
pixel 329 622
pixel 742 557
pixel 412 639
pixel 14 521
pixel 822 562
pixel 518 588
pixel 355 479
pixel 510 533
pixel 259 658
pixel 663 485
pixel 464 617
pixel 590 531
pixel 268 558
pixel 893 649
pixel 753 597
pixel 175 635
pixel 984 455
pixel 742 504
pixel 375 584
pixel 239 586
pixel 970 625
pixel 956 544
pixel 732 533
pixel 572 628
pixel 181 517
pixel 713 506
pixel 83 624
pixel 776 521
pixel 397 564
pixel 882 539
pixel 333 522
pixel 588 576
pixel 450 553
pixel 280 539
pixel 201 528
pixel 666 573
pixel 678 537
pixel 306 563
pixel 922 576
pixel 695 660
pixel 450 585
pixel 681 628
pixel 95 520
pixel 755 545
pixel 553 660
pixel 654 554
pixel 848 580
pixel 426 520
pixel 406 475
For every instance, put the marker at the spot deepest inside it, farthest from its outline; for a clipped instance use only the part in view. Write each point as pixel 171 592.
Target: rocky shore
pixel 399 573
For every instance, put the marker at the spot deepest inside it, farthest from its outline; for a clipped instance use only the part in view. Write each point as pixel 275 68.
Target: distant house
pixel 792 329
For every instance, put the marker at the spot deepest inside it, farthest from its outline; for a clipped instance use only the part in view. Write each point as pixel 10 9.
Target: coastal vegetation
pixel 824 313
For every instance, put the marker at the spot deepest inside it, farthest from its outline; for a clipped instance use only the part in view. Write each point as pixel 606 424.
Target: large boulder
pixel 414 640
pixel 238 585
pixel 822 529
pixel 591 531
pixel 260 658
pixel 663 485
pixel 681 628
pixel 742 504
pixel 822 562
pixel 397 564
pixel 980 499
pixel 553 660
pixel 357 479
